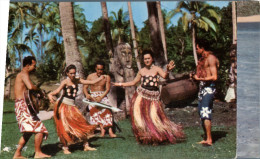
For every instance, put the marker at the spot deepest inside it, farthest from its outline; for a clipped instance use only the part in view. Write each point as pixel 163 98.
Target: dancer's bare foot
pixel 20 157
pixel 202 142
pixel 66 150
pixel 88 148
pixel 111 133
pixel 102 134
pixel 41 155
pixel 206 143
pixel 91 135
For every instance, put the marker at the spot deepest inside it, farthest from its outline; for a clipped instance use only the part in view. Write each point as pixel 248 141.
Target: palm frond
pixel 210 23
pixel 202 24
pixel 214 14
pixel 185 21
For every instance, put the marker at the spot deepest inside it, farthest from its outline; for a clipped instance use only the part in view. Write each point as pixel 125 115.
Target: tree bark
pixel 182 47
pixel 161 24
pixel 106 26
pixel 133 35
pixel 194 45
pixel 234 22
pixel 8 84
pixel 155 34
pixel 72 54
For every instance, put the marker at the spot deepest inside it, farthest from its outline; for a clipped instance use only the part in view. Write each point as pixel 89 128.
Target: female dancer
pixel 71 126
pixel 150 125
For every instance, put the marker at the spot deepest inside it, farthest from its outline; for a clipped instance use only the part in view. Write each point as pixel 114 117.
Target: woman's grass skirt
pixel 71 126
pixel 150 125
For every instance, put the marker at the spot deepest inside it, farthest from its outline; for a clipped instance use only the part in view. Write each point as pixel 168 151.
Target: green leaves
pixel 214 14
pixel 207 22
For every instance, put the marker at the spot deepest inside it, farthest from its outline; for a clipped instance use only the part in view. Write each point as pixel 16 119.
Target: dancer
pixel 71 126
pixel 150 125
pixel 206 74
pixel 28 123
pixel 98 93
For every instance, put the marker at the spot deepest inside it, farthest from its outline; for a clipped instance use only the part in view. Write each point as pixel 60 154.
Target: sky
pixel 92 10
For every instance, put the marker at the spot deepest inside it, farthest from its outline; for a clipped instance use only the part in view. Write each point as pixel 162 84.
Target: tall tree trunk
pixel 234 22
pixel 133 35
pixel 21 59
pixel 7 92
pixel 182 47
pixel 155 34
pixel 41 41
pixel 194 45
pixel 161 24
pixel 72 54
pixel 106 26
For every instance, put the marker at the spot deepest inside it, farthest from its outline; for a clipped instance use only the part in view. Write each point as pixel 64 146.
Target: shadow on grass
pixel 51 149
pixel 118 137
pixel 8 112
pixel 216 135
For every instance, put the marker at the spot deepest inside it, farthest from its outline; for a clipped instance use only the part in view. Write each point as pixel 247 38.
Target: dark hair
pixel 99 62
pixel 28 60
pixel 203 43
pixel 147 51
pixel 69 68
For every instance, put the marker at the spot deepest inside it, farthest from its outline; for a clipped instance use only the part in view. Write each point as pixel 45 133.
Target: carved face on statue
pixel 124 54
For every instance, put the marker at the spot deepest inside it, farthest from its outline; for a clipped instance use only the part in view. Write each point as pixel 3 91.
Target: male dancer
pixel 98 93
pixel 28 124
pixel 206 74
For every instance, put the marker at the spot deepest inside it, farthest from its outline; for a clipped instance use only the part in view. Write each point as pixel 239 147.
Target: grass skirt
pixel 71 126
pixel 150 125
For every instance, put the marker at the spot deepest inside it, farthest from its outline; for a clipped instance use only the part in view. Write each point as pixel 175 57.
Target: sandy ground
pixel 253 18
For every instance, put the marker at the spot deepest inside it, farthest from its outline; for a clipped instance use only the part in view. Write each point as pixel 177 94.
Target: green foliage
pixel 96 48
pixel 144 37
pixel 120 26
pixel 43 19
pixel 179 48
pixel 49 69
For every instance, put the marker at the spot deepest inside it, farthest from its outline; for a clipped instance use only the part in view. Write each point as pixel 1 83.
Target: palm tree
pixel 106 25
pixel 133 35
pixel 39 22
pixel 161 25
pixel 72 55
pixel 31 38
pixel 156 40
pixel 121 25
pixel 195 15
pixel 18 19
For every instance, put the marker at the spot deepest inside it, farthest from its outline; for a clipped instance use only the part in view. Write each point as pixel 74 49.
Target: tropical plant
pixel 18 19
pixel 196 15
pixel 120 26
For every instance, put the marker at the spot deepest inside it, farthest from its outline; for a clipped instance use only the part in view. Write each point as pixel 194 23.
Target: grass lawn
pixel 123 147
